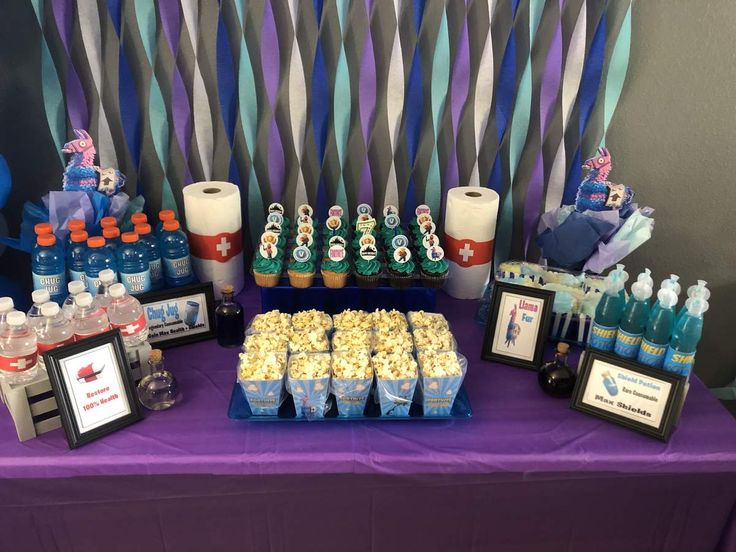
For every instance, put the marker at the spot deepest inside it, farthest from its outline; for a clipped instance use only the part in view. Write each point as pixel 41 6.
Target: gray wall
pixel 674 141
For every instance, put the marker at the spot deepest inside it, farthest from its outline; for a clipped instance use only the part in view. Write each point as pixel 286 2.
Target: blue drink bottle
pixel 680 354
pixel 132 259
pixel 149 241
pixel 75 256
pixel 608 315
pixel 74 225
pixel 112 237
pixel 175 255
pixel 670 283
pixel 659 330
pixel 633 321
pixel 163 216
pixel 49 269
pixel 98 259
pixel 622 277
pixel 698 290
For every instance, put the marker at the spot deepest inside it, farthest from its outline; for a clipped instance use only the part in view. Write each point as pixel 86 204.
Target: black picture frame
pixel 670 412
pixel 547 298
pixel 61 360
pixel 172 321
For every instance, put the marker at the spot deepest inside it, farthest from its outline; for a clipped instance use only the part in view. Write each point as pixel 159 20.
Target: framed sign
pixel 179 315
pixel 518 325
pixel 630 394
pixel 93 385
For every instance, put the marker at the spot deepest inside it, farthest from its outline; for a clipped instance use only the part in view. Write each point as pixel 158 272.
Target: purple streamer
pixel 76 103
pixel 271 67
pixel 276 162
pixel 367 106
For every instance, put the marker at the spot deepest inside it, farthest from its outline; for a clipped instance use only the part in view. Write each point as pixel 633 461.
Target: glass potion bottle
pixel 230 321
pixel 555 377
pixel 159 389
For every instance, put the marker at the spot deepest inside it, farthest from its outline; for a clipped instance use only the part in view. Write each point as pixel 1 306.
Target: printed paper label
pixel 77 275
pixel 651 354
pixel 136 282
pixel 132 328
pixel 602 338
pixel 678 363
pixel 178 268
pixel 627 344
pixel 18 363
pixel 53 283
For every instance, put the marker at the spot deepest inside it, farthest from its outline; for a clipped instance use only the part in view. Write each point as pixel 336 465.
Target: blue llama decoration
pixel 595 193
pixel 82 175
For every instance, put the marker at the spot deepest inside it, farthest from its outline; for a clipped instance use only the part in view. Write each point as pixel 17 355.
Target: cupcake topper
pixel 402 255
pixel 366 225
pixel 306 229
pixel 268 250
pixel 305 219
pixel 304 239
pixel 337 240
pixel 390 210
pixel 430 240
pixel 273 227
pixel 425 217
pixel 367 239
pixel 428 228
pixel 276 208
pixel 333 223
pixel 269 237
pixel 364 209
pixel 435 253
pixel 335 211
pixel 301 254
pixel 336 253
pixel 421 210
pixel 276 217
pixel 391 220
pixel 305 209
pixel 399 241
pixel 368 252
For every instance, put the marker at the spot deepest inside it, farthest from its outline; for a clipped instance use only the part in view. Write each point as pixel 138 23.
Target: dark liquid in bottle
pixel 230 323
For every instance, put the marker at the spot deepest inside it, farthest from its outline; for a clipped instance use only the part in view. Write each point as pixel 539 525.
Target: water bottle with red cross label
pixel 126 314
pixel 55 330
pixel 18 350
pixel 89 317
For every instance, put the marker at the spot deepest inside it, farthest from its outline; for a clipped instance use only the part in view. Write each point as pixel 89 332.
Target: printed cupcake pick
pixel 276 217
pixel 268 250
pixel 421 210
pixel 337 240
pixel 306 229
pixel 301 254
pixel 399 241
pixel 364 209
pixel 428 228
pixel 391 221
pixel 430 240
pixel 273 227
pixel 305 209
pixel 365 225
pixel 333 223
pixel 305 219
pixel 269 237
pixel 336 253
pixel 276 208
pixel 335 211
pixel 367 239
pixel 426 217
pixel 435 253
pixel 368 252
pixel 390 210
pixel 402 255
pixel 304 240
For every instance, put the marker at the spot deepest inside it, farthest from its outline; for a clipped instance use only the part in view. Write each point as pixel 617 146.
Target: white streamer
pixel 297 105
pixel 394 108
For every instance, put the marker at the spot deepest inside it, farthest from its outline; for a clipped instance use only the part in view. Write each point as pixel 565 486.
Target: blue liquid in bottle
pixel 163 216
pixel 175 255
pixel 680 354
pixel 633 321
pixel 149 241
pixel 74 225
pixel 607 316
pixel 49 267
pixel 112 237
pixel 75 256
pixel 132 259
pixel 659 330
pixel 98 259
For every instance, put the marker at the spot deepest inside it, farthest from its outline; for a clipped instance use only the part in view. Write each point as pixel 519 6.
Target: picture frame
pixel 180 315
pixel 630 394
pixel 518 325
pixel 94 399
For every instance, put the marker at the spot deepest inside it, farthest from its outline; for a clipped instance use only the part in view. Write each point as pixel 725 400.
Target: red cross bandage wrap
pixel 470 228
pixel 214 227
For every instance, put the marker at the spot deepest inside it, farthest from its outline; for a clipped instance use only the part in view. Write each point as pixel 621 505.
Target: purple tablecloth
pixel 524 465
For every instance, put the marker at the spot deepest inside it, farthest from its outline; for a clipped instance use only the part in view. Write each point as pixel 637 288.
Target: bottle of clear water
pixel 34 318
pixel 55 331
pixel 98 259
pixel 132 259
pixel 18 350
pixel 680 355
pixel 107 279
pixel 6 306
pixel 158 390
pixel 89 317
pixel 49 267
pixel 150 242
pixel 126 314
pixel 175 255
pixel 75 287
pixel 75 254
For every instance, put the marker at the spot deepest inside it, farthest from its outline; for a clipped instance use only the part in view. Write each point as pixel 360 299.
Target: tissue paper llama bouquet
pixel 600 229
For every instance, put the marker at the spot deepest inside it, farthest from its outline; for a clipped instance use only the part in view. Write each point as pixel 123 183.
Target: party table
pixel 524 471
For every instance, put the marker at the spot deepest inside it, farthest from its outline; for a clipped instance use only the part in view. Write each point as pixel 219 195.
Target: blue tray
pixel 240 410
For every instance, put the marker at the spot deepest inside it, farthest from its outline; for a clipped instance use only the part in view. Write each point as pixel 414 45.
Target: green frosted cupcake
pixel 301 273
pixel 266 271
pixel 368 272
pixel 335 273
pixel 400 272
pixel 434 272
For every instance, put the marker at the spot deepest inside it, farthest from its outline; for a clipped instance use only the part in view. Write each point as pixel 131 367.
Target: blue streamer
pixel 226 80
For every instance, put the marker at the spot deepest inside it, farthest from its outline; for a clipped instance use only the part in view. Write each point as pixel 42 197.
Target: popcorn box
pixel 271 321
pixel 266 342
pixel 384 320
pixel 264 395
pixel 438 392
pixel 351 393
pixel 429 320
pixel 309 341
pixel 353 320
pixel 395 396
pixel 395 341
pixel 309 383
pixel 311 320
pixel 353 340
pixel 428 339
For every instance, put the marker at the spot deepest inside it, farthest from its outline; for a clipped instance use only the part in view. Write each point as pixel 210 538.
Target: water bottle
pixel 74 225
pixel 49 270
pixel 669 283
pixel 138 218
pixel 75 287
pixel 680 355
pixel 75 255
pixel 34 318
pixel 150 242
pixel 55 330
pixel 18 350
pixel 633 321
pixel 89 317
pixel 107 279
pixel 108 222
pixel 697 290
pixel 163 216
pixel 126 314
pixel 659 330
pixel 608 315
pixel 6 306
pixel 175 255
pixel 132 258
pixel 98 258
pixel 112 237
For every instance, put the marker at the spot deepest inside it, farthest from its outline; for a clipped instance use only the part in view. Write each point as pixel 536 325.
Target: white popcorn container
pixel 439 345
pixel 438 393
pixel 256 325
pixel 395 396
pixel 351 395
pixel 325 322
pixel 341 338
pixel 396 341
pixel 264 396
pixel 309 341
pixel 413 318
pixel 253 339
pixel 310 395
pixel 340 324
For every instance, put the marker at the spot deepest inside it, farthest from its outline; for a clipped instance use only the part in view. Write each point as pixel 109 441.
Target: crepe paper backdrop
pixel 340 101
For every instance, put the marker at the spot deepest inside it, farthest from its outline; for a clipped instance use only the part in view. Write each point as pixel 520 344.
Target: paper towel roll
pixel 215 239
pixel 470 227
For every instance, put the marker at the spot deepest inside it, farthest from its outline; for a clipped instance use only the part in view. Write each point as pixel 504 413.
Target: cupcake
pixel 267 271
pixel 434 268
pixel 301 273
pixel 400 268
pixel 367 272
pixel 335 272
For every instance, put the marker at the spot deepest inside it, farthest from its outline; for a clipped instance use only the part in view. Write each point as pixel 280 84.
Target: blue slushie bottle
pixel 112 237
pixel 680 354
pixel 608 315
pixel 659 330
pixel 98 258
pixel 150 242
pixel 132 259
pixel 633 321
pixel 49 268
pixel 669 283
pixel 175 255
pixel 76 254
pixel 697 290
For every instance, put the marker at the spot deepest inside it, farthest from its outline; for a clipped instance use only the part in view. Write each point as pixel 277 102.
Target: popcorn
pixel 308 341
pixel 426 339
pixel 388 320
pixel 421 319
pixel 440 364
pixel 352 365
pixel 353 320
pixel 303 366
pixel 352 340
pixel 311 320
pixel 272 321
pixel 262 366
pixel 396 341
pixel 266 342
pixel 394 365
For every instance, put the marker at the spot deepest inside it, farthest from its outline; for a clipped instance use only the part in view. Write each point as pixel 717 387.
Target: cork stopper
pixel 155 356
pixel 228 288
pixel 563 348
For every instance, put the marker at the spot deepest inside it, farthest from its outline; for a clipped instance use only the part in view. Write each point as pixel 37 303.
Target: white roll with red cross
pixel 470 228
pixel 214 226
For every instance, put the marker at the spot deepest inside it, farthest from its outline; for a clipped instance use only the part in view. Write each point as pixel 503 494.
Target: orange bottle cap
pixel 96 241
pixel 79 236
pixel 46 240
pixel 166 214
pixel 142 229
pixel 138 218
pixel 76 224
pixel 129 237
pixel 43 228
pixel 171 225
pixel 111 232
pixel 107 222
